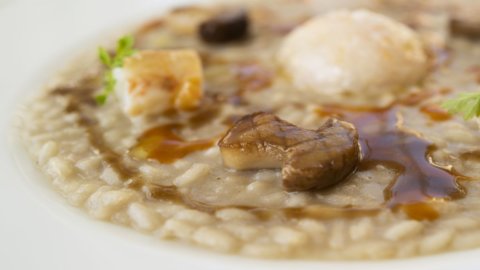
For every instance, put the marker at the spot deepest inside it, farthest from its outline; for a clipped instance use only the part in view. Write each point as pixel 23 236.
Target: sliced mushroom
pixel 310 159
pixel 231 25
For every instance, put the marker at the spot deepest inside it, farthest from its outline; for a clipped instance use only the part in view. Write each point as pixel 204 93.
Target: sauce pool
pixel 165 145
pixel 383 143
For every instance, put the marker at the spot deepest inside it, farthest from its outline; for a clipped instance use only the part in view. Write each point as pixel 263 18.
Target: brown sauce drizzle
pixel 435 112
pixel 252 76
pixel 416 98
pixel 204 117
pixel 316 211
pixel 80 96
pixel 420 211
pixel 418 181
pixel 169 193
pixel 165 145
pixel 408 155
pixel 327 212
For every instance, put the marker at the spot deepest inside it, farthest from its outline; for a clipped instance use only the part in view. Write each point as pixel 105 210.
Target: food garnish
pixel 466 104
pixel 124 49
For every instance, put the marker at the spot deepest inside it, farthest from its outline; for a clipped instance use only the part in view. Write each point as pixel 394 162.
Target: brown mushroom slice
pixel 310 159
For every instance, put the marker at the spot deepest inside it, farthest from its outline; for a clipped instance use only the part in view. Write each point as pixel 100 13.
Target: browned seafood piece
pixel 152 82
pixel 310 159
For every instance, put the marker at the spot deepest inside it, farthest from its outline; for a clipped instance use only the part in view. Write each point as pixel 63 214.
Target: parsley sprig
pixel 124 49
pixel 466 104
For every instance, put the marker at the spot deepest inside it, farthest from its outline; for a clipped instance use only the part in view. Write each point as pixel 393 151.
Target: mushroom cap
pixel 310 159
pixel 357 54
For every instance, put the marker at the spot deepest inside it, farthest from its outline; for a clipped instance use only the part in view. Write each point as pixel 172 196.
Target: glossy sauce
pixel 383 143
pixel 165 145
pixel 420 211
pixel 252 77
pixel 324 212
pixel 418 181
pixel 435 113
pixel 79 97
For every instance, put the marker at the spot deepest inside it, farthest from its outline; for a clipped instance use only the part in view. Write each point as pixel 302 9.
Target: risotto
pixel 306 129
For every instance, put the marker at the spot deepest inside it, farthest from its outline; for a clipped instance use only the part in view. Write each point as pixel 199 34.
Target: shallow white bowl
pixel 38 230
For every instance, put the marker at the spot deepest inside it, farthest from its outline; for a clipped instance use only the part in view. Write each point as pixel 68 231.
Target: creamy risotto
pixel 277 129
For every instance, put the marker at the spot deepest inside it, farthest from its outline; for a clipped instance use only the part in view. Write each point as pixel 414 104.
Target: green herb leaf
pixel 466 104
pixel 104 57
pixel 101 99
pixel 124 49
pixel 109 83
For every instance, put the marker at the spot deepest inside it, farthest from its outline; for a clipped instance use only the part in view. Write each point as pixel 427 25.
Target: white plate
pixel 38 230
